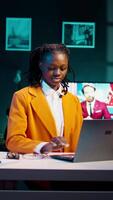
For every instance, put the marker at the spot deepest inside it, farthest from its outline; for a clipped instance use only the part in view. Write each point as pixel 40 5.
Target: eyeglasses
pixel 31 156
pixel 11 155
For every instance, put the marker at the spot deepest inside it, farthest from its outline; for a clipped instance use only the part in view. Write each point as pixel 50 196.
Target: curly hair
pixel 37 55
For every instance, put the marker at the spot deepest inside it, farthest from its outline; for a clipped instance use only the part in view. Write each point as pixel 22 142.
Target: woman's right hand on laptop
pixel 56 144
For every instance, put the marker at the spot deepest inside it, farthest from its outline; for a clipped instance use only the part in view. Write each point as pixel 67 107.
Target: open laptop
pixel 95 143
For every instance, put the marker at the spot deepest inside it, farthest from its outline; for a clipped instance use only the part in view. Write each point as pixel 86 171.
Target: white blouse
pixel 55 102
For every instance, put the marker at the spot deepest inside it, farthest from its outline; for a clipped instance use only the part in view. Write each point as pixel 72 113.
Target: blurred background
pixel 89 64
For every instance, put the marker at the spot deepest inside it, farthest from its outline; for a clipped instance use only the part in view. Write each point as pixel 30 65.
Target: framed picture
pixel 78 34
pixel 18 34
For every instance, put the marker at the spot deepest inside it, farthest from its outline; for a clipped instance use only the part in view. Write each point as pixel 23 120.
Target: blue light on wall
pixel 18 34
pixel 78 34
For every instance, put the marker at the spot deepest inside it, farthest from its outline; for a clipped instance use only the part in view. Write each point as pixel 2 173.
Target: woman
pixel 44 116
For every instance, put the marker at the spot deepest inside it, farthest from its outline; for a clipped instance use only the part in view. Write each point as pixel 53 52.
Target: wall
pixel 47 17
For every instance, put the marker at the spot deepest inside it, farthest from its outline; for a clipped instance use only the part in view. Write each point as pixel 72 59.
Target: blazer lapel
pixel 40 106
pixel 67 111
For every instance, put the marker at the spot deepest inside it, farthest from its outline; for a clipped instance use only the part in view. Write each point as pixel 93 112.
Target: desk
pixel 56 170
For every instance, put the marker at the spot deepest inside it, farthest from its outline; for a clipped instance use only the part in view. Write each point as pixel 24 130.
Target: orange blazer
pixel 31 122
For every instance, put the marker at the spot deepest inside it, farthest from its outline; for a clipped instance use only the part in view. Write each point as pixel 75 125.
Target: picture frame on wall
pixel 18 34
pixel 78 34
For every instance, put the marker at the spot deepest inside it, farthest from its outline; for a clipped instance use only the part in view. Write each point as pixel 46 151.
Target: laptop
pixel 95 143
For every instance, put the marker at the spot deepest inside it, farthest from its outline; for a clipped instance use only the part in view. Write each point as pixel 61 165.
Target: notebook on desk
pixel 95 143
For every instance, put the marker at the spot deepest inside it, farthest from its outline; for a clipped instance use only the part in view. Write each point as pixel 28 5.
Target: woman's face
pixel 54 68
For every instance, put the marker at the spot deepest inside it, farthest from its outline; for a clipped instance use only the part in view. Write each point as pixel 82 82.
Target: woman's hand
pixel 56 144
